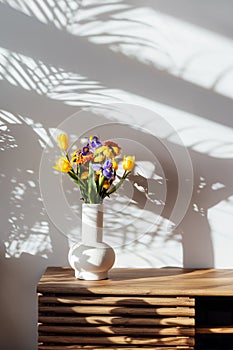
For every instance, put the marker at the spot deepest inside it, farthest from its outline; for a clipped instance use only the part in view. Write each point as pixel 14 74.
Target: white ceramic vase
pixel 91 258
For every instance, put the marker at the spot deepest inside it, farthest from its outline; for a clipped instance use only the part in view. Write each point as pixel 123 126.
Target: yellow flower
pixel 84 175
pixel 100 149
pixel 114 165
pixel 106 185
pixel 62 164
pixel 106 151
pixel 128 163
pixel 114 147
pixel 76 152
pixel 63 141
pixel 98 159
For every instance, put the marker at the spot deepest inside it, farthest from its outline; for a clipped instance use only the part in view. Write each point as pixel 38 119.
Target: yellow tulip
pixel 63 141
pixel 128 163
pixel 62 164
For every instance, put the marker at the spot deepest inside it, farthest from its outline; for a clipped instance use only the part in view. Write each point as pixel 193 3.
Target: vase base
pixel 91 276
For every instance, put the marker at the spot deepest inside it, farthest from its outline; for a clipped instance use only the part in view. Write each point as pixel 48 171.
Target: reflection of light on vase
pixel 92 258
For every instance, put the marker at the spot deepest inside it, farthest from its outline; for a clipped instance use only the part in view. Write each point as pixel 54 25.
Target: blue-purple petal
pixel 108 174
pixel 85 150
pixel 107 164
pixel 96 167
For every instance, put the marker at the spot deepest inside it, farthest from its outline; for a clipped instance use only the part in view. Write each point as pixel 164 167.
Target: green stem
pixel 75 177
pixel 114 188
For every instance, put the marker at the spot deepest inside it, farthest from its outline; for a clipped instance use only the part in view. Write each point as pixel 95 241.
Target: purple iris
pixel 107 169
pixel 85 150
pixel 96 167
pixel 95 142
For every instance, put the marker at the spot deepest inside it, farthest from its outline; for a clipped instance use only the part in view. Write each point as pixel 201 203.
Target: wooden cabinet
pixel 133 309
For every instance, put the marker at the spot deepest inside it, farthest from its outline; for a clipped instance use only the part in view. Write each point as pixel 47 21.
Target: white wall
pixel 154 75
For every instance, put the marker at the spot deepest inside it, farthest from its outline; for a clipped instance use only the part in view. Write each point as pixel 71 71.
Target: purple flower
pixel 108 170
pixel 85 150
pixel 107 164
pixel 94 142
pixel 96 167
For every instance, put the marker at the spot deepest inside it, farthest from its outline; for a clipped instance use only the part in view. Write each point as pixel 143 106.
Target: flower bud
pixel 63 141
pixel 128 163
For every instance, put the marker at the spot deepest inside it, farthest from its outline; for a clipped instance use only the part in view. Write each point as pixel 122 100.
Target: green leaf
pixel 93 194
pixel 76 179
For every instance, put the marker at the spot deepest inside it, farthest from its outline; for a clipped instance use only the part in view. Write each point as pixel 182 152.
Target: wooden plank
pixel 90 347
pixel 106 310
pixel 117 300
pixel 215 330
pixel 122 321
pixel 167 281
pixel 113 330
pixel 119 340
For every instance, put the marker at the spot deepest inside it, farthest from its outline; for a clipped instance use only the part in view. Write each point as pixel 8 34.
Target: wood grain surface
pixel 148 282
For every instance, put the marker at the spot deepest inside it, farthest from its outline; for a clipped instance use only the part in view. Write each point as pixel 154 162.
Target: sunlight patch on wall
pixel 55 83
pixel 166 247
pixel 151 37
pixel 34 241
pixel 58 12
pixel 25 226
pixel 182 49
pixel 196 133
pixel 30 74
pixel 26 232
pixel 73 89
pixel 8 141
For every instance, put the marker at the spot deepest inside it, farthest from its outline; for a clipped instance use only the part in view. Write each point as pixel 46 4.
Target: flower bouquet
pixel 94 167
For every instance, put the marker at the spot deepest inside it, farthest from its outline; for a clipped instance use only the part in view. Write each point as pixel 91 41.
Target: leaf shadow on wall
pixel 98 62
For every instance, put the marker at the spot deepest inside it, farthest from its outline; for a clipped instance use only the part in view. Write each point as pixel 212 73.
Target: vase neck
pixel 92 223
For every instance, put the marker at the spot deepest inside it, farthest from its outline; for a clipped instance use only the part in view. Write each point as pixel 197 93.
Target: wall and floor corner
pixel 155 75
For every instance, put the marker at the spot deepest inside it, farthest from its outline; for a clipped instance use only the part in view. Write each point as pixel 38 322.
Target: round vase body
pixel 91 258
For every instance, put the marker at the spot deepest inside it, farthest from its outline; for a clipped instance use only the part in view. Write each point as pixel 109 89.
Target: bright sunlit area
pixel 147 79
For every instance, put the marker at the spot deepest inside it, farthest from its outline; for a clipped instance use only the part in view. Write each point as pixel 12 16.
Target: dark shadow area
pixel 18 298
pixel 214 318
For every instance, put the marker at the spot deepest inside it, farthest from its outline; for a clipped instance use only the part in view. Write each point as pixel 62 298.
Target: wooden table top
pixel 142 281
